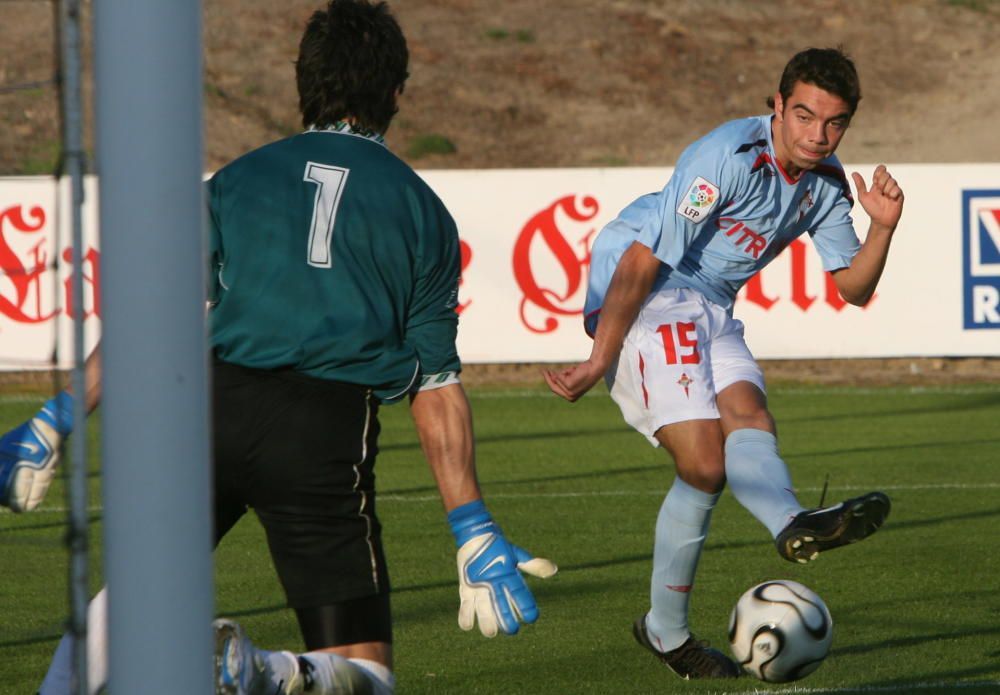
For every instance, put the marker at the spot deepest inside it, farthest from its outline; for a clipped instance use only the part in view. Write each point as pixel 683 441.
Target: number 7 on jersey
pixel 330 182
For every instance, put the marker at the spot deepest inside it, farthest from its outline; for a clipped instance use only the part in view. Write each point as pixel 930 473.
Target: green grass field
pixel 916 608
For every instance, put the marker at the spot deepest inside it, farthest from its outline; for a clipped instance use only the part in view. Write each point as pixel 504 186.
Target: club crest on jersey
pixel 805 204
pixel 700 199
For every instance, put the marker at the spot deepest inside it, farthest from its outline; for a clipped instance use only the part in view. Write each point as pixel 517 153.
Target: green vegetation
pixel 500 34
pixel 977 5
pixel 430 143
pixel 213 90
pixel 609 161
pixel 42 159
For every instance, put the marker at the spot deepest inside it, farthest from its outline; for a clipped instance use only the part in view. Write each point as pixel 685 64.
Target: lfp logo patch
pixel 699 201
pixel 981 256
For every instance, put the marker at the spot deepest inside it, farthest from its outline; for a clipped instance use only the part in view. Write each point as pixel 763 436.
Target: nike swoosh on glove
pixel 29 454
pixel 491 588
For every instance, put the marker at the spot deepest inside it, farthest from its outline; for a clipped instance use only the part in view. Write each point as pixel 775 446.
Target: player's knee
pixel 744 406
pixel 761 420
pixel 700 459
pixel 748 416
pixel 707 475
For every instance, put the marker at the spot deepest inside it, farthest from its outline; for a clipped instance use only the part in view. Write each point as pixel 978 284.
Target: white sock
pixel 59 678
pixel 386 682
pixel 334 675
pixel 680 534
pixel 281 667
pixel 759 479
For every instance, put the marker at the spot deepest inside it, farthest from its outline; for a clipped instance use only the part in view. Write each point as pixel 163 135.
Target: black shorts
pixel 301 452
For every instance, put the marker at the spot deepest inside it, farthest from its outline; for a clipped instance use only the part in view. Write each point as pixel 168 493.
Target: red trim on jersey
pixel 642 381
pixel 766 157
pixel 820 170
pixel 784 173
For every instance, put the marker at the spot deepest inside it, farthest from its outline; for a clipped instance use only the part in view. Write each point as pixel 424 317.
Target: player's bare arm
pixel 884 204
pixel 92 379
pixel 630 285
pixel 444 425
pixel 492 591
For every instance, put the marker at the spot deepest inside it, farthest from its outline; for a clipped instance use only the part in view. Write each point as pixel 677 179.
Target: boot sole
pixel 858 520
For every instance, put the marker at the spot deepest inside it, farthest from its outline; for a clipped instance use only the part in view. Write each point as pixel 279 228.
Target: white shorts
pixel 679 353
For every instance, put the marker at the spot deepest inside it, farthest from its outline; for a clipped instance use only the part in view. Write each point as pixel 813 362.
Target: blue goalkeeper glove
pixel 490 586
pixel 29 454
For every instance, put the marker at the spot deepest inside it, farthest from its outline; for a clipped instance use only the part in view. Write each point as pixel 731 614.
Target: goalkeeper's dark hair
pixel 830 69
pixel 352 63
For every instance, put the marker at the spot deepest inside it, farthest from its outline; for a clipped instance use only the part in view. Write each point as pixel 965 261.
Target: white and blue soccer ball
pixel 780 631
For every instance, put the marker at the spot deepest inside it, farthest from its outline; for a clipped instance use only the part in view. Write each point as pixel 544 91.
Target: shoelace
pixel 822 496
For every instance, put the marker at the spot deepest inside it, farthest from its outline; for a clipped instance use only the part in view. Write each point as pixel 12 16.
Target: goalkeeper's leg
pixel 59 678
pixel 243 669
pixel 359 663
pixel 321 672
pixel 361 660
pixel 314 494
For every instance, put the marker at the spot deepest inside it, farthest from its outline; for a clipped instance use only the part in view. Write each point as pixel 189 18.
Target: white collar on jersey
pixel 346 128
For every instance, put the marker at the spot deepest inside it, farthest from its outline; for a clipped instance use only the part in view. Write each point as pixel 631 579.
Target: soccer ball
pixel 780 631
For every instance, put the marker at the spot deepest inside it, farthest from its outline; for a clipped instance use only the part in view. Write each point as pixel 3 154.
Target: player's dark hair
pixel 352 62
pixel 827 68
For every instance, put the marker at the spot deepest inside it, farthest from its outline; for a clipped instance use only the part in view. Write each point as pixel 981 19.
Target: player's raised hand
pixel 491 588
pixel 573 382
pixel 884 201
pixel 29 454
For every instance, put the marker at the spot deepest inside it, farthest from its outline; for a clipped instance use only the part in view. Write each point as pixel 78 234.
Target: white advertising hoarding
pixel 526 235
pixel 36 329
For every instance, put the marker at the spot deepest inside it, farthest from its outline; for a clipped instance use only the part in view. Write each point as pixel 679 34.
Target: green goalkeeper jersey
pixel 330 256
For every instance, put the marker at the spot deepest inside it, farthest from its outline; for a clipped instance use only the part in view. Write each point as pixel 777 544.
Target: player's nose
pixel 819 134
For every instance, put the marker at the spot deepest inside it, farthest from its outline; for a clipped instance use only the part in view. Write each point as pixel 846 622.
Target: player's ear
pixel 779 105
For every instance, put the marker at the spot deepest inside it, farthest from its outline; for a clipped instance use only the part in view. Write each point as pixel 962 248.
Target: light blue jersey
pixel 728 210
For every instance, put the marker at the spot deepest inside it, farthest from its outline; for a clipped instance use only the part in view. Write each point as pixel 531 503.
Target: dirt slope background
pixel 562 83
pixel 531 83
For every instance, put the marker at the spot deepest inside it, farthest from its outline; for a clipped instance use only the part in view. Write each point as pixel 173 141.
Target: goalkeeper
pixel 335 276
